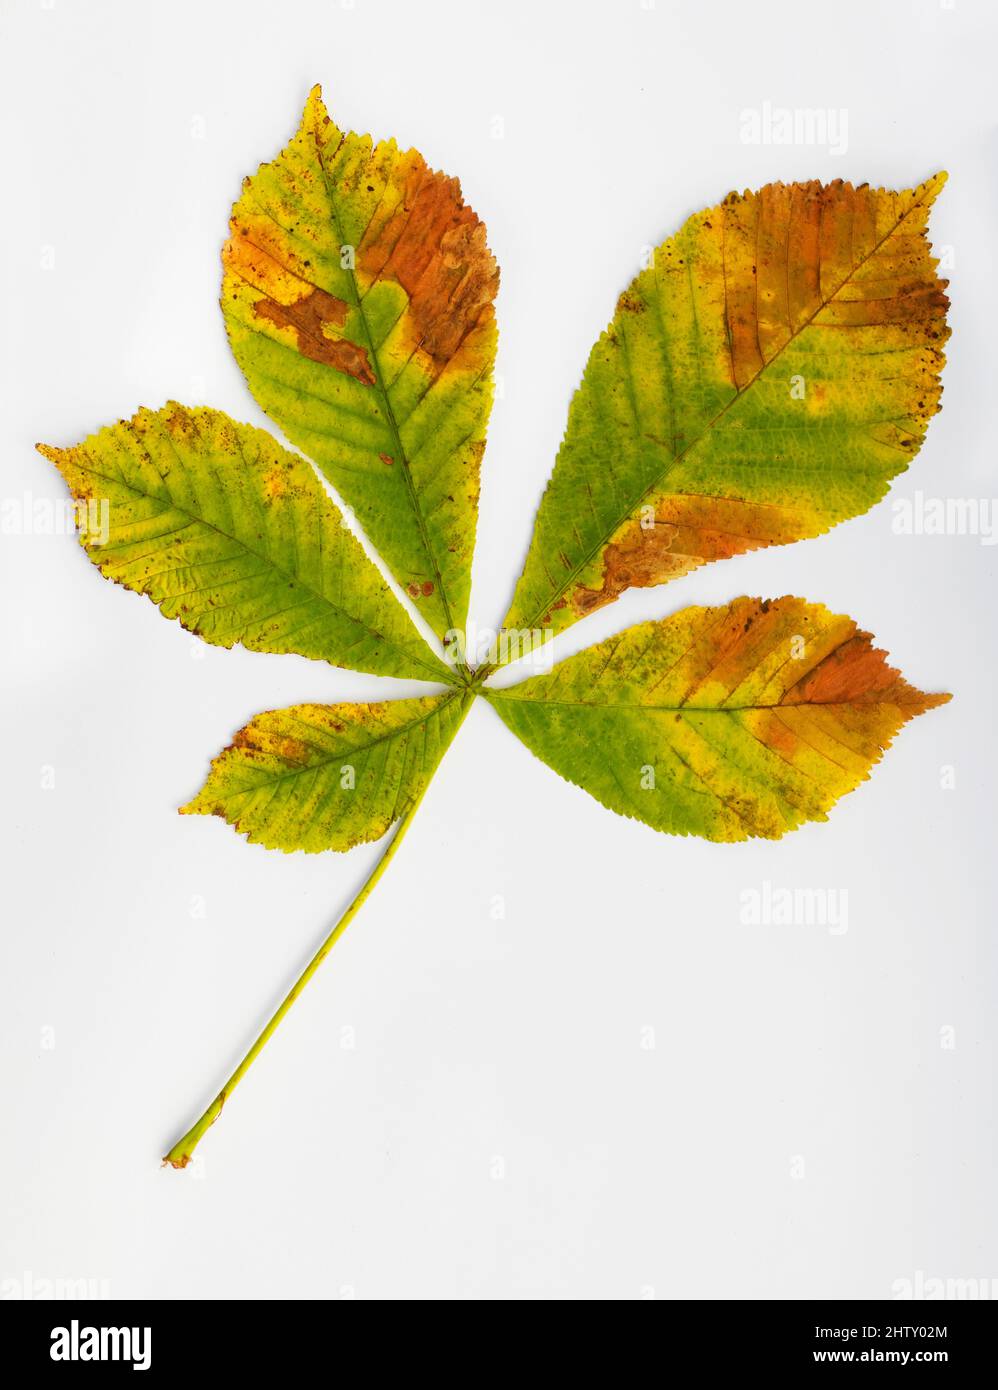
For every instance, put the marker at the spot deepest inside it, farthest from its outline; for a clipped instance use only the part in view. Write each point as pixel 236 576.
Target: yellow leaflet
pixel 318 777
pixel 236 538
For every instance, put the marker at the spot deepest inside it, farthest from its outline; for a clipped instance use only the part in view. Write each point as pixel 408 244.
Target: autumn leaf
pixel 763 379
pixel 744 720
pixel 357 295
pixel 317 777
pixel 235 537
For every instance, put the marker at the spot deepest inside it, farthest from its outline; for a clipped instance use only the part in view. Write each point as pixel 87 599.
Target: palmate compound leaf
pixel 763 379
pixel 234 536
pixel 731 722
pixel 318 777
pixel 357 295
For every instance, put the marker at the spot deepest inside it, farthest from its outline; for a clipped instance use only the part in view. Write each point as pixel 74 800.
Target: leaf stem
pixel 182 1152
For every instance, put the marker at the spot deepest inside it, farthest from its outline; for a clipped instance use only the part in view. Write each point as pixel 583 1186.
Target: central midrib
pixel 382 390
pixel 687 709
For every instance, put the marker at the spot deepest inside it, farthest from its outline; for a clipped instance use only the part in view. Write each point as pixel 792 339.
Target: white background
pixel 372 1172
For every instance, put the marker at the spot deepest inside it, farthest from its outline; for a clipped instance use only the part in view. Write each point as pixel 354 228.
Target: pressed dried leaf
pixel 767 375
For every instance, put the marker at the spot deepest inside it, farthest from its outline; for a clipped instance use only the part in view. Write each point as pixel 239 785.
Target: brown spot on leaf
pixel 264 266
pixel 308 317
pixel 274 482
pixel 688 531
pixel 178 422
pixel 293 749
pixel 630 303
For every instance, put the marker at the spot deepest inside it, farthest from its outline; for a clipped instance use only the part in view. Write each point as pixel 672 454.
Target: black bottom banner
pixel 287 1338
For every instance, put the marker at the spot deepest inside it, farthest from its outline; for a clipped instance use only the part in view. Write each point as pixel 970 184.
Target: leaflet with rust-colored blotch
pixel 358 296
pixel 744 720
pixel 766 376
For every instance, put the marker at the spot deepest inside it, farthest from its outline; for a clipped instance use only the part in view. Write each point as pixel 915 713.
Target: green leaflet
pixel 318 777
pixel 236 538
pixel 744 720
pixel 765 378
pixel 357 295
